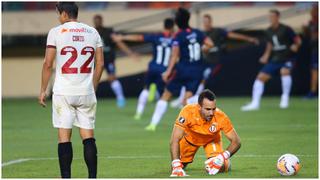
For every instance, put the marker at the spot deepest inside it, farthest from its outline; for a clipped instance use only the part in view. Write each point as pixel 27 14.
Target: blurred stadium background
pixel 29 144
pixel 26 24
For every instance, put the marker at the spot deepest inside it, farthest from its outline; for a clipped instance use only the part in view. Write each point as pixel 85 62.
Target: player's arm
pixel 123 47
pixel 295 39
pixel 173 60
pixel 50 56
pixel 214 164
pixel 207 44
pixel 130 37
pixel 177 135
pixel 177 166
pixel 237 36
pixel 235 142
pixel 267 52
pixel 118 39
pixel 99 63
pixel 296 44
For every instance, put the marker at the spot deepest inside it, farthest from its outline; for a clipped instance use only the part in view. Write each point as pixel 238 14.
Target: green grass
pixel 125 150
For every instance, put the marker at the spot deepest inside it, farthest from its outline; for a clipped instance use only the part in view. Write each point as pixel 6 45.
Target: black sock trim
pixel 89 140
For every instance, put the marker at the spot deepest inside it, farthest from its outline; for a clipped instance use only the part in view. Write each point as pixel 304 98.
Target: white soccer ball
pixel 288 165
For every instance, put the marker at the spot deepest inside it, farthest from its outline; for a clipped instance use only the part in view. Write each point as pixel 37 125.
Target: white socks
pixel 143 98
pixel 257 92
pixel 117 89
pixel 200 88
pixel 160 109
pixel 286 82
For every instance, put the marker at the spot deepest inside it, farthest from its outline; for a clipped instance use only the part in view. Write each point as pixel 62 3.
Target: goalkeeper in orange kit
pixel 201 125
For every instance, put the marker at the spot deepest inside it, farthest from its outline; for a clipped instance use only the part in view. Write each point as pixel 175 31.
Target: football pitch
pixel 125 150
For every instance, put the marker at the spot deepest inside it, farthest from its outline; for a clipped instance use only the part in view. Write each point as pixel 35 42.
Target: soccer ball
pixel 288 165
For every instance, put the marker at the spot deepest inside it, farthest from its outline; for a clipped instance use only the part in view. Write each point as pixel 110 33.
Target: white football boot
pixel 284 103
pixel 250 107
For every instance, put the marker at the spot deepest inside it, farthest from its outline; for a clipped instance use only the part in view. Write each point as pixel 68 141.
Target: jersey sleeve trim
pixel 226 132
pixel 179 126
pixel 51 46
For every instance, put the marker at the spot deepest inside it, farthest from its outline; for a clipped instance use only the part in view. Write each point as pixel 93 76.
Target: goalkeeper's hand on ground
pixel 214 164
pixel 177 169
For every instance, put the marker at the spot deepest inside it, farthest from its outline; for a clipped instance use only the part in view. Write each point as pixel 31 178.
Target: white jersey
pixel 76 45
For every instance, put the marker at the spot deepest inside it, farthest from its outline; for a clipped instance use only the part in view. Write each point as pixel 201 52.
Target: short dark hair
pixel 206 94
pixel 207 16
pixel 68 7
pixel 275 11
pixel 168 23
pixel 97 16
pixel 182 18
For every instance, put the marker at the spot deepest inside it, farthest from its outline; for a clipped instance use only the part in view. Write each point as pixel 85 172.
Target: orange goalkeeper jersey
pixel 200 132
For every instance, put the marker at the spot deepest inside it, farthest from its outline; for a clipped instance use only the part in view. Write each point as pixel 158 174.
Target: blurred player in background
pixel 110 56
pixel 187 59
pixel 312 32
pixel 161 43
pixel 78 51
pixel 199 125
pixel 282 43
pixel 214 57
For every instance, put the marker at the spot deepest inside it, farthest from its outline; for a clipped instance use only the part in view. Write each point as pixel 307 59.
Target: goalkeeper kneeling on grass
pixel 199 125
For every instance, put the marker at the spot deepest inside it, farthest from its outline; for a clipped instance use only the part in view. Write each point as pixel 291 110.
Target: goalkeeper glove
pixel 214 164
pixel 177 169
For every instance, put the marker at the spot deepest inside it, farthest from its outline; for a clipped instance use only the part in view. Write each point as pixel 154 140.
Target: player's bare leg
pixel 89 151
pixel 286 82
pixel 65 152
pixel 161 108
pixel 313 84
pixel 117 89
pixel 142 101
pixel 314 80
pixel 257 92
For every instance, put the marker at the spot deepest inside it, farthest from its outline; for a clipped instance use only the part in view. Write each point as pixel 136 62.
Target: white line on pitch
pixel 14 162
pixel 18 161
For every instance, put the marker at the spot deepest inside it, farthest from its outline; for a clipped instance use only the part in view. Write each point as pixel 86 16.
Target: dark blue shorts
pixel 110 67
pixel 109 62
pixel 153 76
pixel 188 77
pixel 274 68
pixel 314 59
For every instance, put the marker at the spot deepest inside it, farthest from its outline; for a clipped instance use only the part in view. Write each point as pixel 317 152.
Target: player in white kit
pixel 77 49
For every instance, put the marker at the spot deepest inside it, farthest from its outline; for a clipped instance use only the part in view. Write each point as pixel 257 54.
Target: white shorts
pixel 79 111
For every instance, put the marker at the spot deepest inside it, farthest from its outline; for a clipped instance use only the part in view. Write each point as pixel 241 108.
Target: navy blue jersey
pixel 162 44
pixel 190 42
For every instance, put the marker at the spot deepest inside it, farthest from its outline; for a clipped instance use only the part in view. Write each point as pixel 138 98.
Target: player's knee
pixel 86 133
pixel 64 135
pixel 263 77
pixel 111 78
pixel 166 95
pixel 285 71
